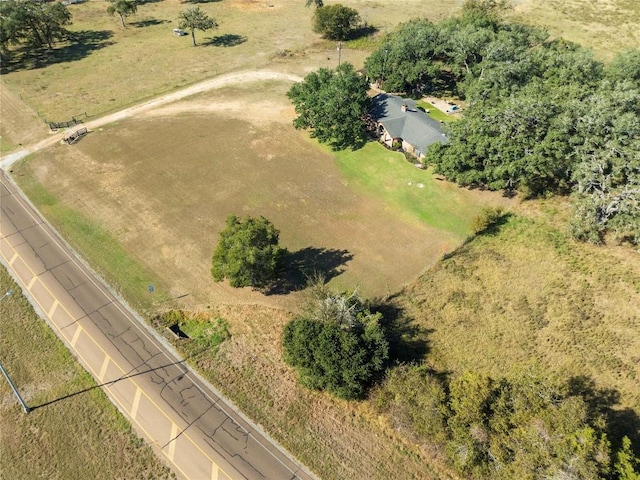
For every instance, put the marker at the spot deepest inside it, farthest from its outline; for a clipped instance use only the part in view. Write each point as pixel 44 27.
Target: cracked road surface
pixel 199 434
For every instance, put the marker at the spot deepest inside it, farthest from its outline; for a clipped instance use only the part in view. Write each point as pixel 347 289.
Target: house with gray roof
pixel 399 120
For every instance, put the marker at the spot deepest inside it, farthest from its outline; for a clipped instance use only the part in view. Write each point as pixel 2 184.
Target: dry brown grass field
pixel 159 187
pixel 115 67
pixel 169 179
pixel 607 26
pixel 166 182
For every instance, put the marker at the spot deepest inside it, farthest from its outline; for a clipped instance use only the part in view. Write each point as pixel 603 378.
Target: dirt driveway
pixel 211 84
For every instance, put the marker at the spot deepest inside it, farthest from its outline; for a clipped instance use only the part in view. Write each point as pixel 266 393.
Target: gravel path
pixel 213 83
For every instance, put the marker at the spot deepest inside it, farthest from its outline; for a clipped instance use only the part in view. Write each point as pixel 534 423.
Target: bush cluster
pixel 524 427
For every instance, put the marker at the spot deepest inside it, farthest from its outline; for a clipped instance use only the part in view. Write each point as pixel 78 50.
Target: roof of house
pixel 413 126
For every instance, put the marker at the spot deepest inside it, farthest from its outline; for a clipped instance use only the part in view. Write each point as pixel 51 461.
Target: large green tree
pixel 36 23
pixel 333 104
pixel 335 22
pixel 409 58
pixel 521 143
pixel 123 8
pixel 193 19
pixel 247 253
pixel 607 175
pixel 338 346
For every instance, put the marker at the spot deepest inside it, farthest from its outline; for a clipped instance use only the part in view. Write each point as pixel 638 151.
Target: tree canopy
pixel 335 22
pixel 333 104
pixel 193 18
pixel 123 8
pixel 339 345
pixel 35 23
pixel 544 116
pixel 524 426
pixel 247 253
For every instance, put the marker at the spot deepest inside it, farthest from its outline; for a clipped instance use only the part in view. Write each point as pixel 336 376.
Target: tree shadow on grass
pixel 602 401
pixel 306 263
pixel 408 342
pixel 79 45
pixel 148 23
pixel 363 31
pixel 226 40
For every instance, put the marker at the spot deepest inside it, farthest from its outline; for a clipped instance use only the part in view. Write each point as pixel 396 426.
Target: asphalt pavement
pixel 199 433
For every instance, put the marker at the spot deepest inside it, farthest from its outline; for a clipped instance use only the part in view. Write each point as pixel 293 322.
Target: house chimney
pixel 403 108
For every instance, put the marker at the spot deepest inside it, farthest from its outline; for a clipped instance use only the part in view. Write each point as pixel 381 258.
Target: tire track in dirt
pixel 211 84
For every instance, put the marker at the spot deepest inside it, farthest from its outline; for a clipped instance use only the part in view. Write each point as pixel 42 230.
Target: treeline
pixel 525 427
pixel 544 116
pixel 35 23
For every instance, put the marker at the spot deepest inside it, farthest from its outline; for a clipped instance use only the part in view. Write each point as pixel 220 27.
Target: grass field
pixel 413 193
pixel 529 295
pixel 166 195
pixel 607 26
pixel 75 432
pixel 163 204
pixel 145 198
pixel 115 67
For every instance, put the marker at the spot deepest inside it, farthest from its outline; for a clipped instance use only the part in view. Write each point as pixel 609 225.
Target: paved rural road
pixel 200 434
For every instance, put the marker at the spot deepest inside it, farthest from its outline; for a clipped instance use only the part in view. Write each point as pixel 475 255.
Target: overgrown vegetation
pixel 524 427
pixel 486 220
pixel 338 345
pixel 198 334
pixel 525 295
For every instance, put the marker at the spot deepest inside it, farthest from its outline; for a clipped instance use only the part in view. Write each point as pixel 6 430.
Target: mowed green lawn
pixel 73 431
pixel 415 194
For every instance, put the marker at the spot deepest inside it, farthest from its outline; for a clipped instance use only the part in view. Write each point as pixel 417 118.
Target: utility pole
pixel 384 64
pixel 15 390
pixel 339 52
pixel 6 375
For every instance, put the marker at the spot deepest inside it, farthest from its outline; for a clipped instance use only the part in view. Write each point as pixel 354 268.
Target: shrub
pixel 339 346
pixel 335 22
pixel 486 220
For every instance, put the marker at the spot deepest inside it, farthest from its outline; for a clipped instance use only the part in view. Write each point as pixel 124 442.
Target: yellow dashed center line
pixel 103 368
pixel 76 335
pixel 136 402
pixel 79 330
pixel 53 308
pixel 172 442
